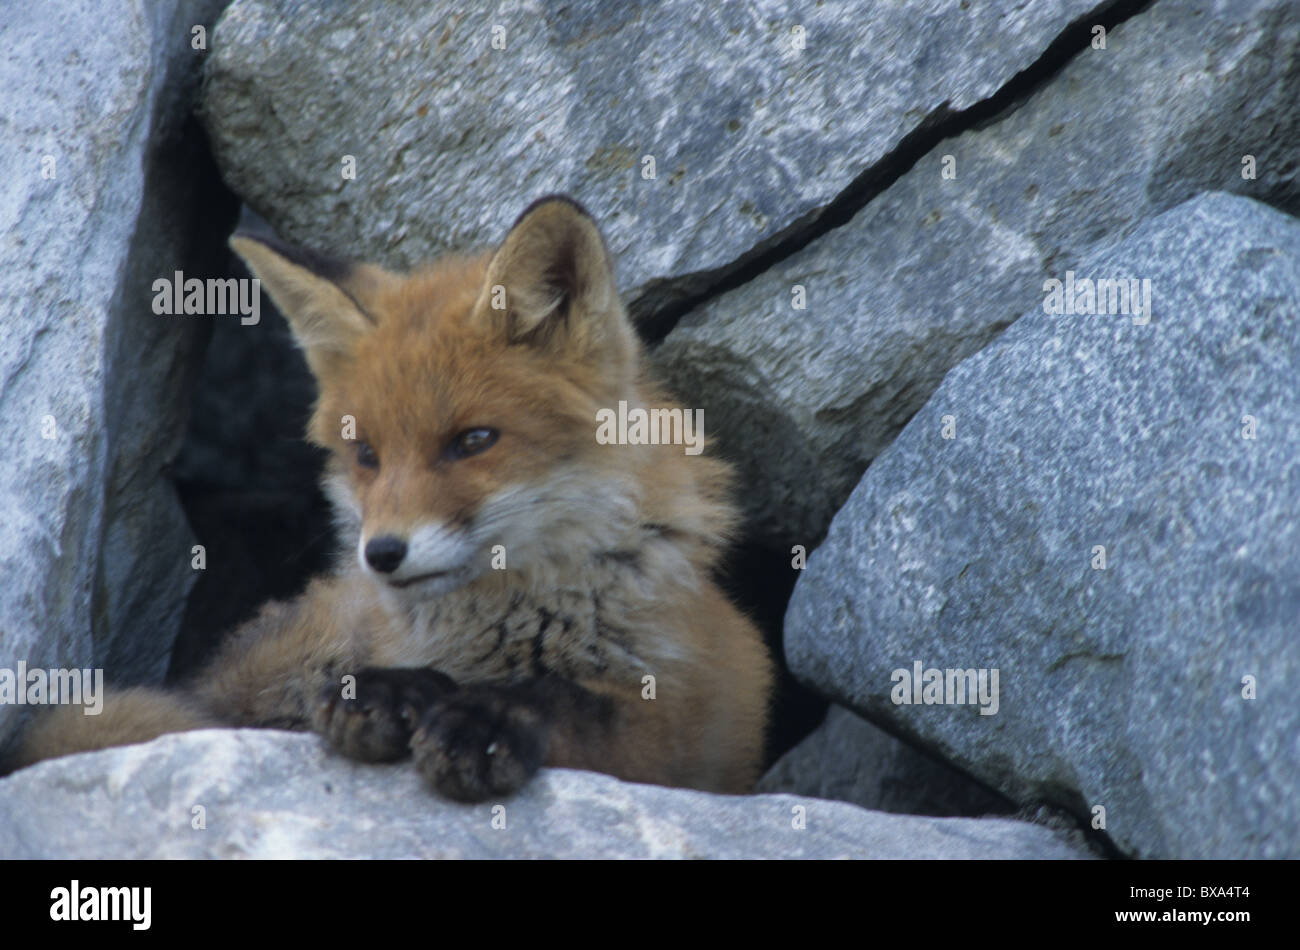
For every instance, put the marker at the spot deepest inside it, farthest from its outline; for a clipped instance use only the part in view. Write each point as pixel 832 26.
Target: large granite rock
pixel 1124 687
pixel 261 794
pixel 103 183
pixel 751 135
pixel 933 268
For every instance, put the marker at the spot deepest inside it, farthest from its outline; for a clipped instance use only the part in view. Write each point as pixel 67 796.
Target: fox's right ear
pixel 324 299
pixel 550 285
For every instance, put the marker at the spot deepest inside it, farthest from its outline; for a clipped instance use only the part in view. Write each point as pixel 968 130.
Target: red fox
pixel 520 594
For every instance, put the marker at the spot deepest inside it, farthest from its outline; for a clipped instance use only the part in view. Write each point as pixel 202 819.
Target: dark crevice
pixel 1068 807
pixel 665 302
pixel 248 480
pixel 759 580
pixel 184 211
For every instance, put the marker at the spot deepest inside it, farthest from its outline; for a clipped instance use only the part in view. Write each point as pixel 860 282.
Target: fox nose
pixel 385 552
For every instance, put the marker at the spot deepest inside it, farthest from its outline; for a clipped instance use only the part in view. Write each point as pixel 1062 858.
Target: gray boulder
pixel 1155 678
pixel 103 185
pixel 259 794
pixel 932 269
pixel 751 136
pixel 848 759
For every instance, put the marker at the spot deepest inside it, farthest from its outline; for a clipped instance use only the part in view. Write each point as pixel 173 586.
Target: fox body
pixel 512 592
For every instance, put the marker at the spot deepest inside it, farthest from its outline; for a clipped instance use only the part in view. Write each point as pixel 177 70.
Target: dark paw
pixel 376 725
pixel 481 742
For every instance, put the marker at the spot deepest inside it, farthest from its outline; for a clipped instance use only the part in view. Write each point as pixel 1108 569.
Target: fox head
pixel 459 402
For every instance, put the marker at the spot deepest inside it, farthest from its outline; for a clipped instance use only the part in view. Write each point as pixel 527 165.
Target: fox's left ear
pixel 551 285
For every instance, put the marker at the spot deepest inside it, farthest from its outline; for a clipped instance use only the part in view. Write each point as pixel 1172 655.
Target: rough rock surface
pixel 933 268
pixel 100 183
pixel 1121 687
pixel 848 759
pixel 751 136
pixel 279 795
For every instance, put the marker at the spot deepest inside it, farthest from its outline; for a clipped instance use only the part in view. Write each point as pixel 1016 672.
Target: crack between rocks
pixel 665 302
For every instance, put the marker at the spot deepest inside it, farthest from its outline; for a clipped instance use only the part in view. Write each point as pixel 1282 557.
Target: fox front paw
pixel 374 719
pixel 481 742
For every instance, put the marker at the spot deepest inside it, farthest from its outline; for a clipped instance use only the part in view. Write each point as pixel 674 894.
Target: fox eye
pixel 366 456
pixel 471 442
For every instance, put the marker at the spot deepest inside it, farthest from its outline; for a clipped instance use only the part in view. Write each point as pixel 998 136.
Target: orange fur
pixel 609 548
